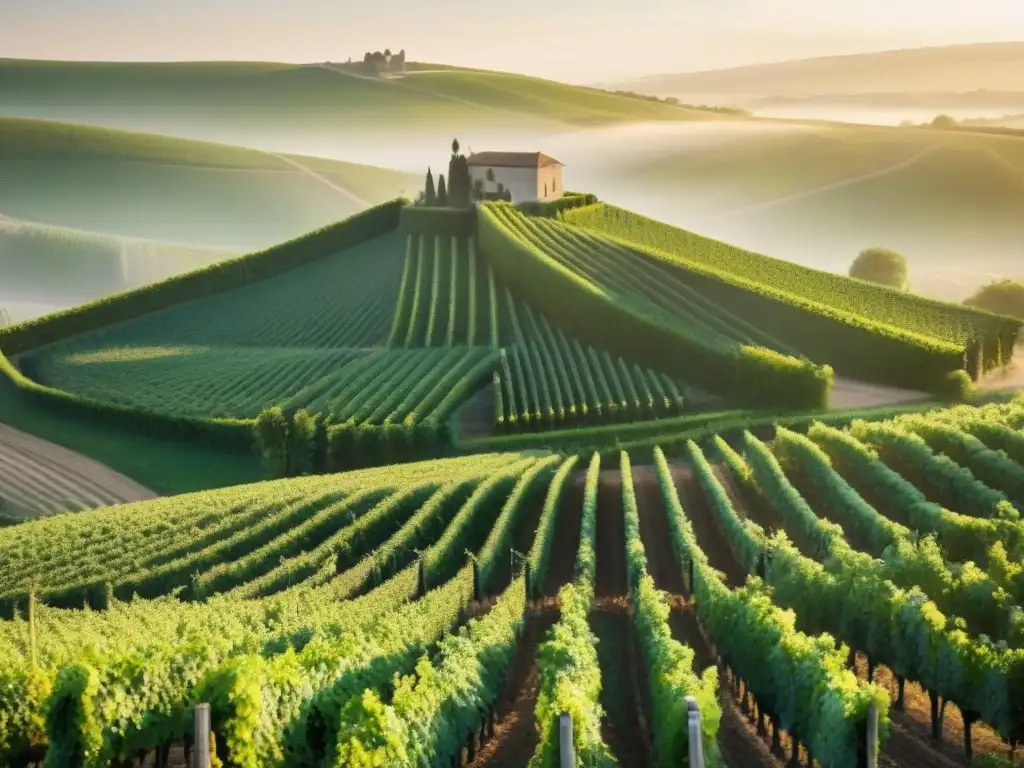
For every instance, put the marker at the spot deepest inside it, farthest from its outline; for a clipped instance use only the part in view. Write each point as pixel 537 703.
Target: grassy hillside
pixel 157 187
pixel 67 267
pixel 818 193
pixel 861 329
pixel 288 106
pixel 959 68
pixel 434 570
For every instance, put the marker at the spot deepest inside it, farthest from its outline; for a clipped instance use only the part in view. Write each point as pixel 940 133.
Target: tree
pixel 1003 296
pixel 882 266
pixel 455 147
pixel 430 194
pixel 272 440
pixel 302 443
pixel 442 192
pixel 288 445
pixel 944 121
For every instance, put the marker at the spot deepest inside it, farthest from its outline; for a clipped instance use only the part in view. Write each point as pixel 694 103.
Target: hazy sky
pixel 574 40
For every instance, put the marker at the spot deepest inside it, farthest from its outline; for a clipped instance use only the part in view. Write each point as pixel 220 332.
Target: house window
pixel 554 185
pixel 545 189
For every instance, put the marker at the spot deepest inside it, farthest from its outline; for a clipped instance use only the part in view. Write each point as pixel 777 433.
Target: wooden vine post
pixel 694 740
pixel 202 736
pixel 867 749
pixel 566 750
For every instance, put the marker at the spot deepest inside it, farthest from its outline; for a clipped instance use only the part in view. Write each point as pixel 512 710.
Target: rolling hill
pixel 86 211
pixel 390 325
pixel 943 69
pixel 314 109
pixel 818 192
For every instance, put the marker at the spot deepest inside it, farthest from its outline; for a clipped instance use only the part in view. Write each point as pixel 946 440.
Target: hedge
pixel 553 208
pixel 637 329
pixel 231 433
pixel 215 278
pixel 434 220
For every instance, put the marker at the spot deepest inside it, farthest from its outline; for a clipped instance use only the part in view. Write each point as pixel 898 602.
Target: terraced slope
pixel 302 607
pixel 861 329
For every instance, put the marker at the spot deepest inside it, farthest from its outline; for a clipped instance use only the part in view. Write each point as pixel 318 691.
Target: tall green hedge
pixel 434 220
pixel 629 326
pixel 235 434
pixel 215 278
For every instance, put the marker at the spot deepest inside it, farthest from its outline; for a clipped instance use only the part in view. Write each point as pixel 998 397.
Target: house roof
pixel 511 159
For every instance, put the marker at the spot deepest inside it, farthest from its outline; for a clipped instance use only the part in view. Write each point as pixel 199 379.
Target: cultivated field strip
pixel 621 270
pixel 289 340
pixel 318 615
pixel 940 320
pixel 543 378
pixel 546 378
pixel 863 330
pixel 38 478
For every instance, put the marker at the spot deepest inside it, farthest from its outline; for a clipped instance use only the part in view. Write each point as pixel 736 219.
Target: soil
pixel 566 541
pixel 848 393
pixel 476 416
pixel 910 742
pixel 706 526
pixel 624 727
pixel 522 540
pixel 611 536
pixel 40 477
pixel 515 736
pixel 655 532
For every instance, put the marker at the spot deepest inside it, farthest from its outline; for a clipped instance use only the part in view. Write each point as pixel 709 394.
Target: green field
pixel 88 265
pixel 286 105
pixel 162 188
pixel 382 613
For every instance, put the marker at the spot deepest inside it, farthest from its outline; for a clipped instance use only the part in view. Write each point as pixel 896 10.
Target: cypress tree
pixel 454 193
pixel 431 196
pixel 442 192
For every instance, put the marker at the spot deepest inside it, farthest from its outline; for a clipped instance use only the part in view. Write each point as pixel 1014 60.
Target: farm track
pixel 849 181
pixel 624 728
pixel 515 736
pixel 38 476
pixel 322 179
pixel 909 744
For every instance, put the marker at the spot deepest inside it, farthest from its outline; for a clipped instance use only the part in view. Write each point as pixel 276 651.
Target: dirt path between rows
pixel 566 542
pixel 39 476
pixel 738 741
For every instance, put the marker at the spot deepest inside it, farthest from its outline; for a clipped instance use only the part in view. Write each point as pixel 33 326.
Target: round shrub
pixel 882 266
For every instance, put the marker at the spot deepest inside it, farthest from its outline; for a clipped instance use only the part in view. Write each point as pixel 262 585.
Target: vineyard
pixel 860 329
pixel 544 379
pixel 800 589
